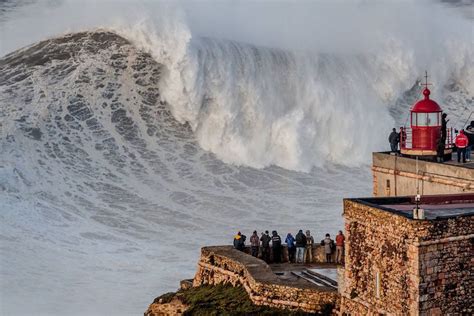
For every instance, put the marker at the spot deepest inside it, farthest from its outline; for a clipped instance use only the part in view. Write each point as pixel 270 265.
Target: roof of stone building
pixel 435 207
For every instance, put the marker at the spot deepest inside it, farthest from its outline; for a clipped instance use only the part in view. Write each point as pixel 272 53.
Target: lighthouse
pixel 422 137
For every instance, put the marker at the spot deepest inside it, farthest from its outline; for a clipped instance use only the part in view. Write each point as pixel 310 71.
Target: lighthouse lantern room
pixel 422 138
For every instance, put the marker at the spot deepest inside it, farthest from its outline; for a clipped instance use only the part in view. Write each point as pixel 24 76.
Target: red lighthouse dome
pixel 426 105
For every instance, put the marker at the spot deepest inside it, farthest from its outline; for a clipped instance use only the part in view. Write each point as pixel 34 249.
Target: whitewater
pixel 132 135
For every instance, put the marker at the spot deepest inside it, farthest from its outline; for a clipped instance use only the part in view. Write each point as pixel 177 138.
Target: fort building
pixel 400 265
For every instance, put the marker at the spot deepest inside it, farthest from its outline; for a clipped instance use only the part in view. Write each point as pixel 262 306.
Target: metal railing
pixel 406 138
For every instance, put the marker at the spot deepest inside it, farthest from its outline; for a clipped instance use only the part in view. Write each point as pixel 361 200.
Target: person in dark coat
pixel 290 243
pixel 444 126
pixel 394 139
pixel 440 145
pixel 239 241
pixel 469 132
pixel 276 247
pixel 265 239
pixel 300 246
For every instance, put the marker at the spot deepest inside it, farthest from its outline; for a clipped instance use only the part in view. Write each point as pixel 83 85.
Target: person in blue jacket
pixel 290 242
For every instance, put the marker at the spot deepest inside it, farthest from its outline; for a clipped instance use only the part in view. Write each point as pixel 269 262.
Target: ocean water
pixel 134 134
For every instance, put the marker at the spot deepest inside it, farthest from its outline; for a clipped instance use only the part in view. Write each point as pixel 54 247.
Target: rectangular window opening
pixel 377 284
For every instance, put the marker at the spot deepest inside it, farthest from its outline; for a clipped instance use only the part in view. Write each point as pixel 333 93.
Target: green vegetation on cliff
pixel 223 300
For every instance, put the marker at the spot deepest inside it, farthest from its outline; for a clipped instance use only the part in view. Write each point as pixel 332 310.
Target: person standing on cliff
pixel 239 241
pixel 254 244
pixel 265 239
pixel 308 254
pixel 290 243
pixel 340 247
pixel 276 247
pixel 300 246
pixel 328 244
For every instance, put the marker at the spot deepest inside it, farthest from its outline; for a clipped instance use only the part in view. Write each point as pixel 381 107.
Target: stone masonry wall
pixel 374 249
pixel 226 265
pixel 447 277
pixel 413 262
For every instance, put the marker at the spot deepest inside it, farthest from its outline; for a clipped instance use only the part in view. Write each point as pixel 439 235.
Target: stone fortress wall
pixel 399 176
pixel 223 264
pixel 400 266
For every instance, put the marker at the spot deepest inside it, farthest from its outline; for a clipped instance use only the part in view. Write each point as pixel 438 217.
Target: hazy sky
pixel 336 25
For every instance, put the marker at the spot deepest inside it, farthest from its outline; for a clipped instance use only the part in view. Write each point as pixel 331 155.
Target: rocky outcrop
pixel 165 307
pixel 224 266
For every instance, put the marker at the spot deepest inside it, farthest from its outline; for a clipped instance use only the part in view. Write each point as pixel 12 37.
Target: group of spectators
pixel 300 247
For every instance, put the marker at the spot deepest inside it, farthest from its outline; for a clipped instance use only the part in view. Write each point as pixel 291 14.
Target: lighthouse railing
pixel 406 138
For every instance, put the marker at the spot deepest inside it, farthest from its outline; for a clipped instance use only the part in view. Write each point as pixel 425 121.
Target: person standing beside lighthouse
pixel 461 144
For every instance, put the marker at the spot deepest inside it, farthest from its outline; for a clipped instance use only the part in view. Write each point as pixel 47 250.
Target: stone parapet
pixel 223 264
pixel 318 253
pixel 398 176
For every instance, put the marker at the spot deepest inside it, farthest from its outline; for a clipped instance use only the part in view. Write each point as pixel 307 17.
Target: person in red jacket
pixel 340 247
pixel 461 142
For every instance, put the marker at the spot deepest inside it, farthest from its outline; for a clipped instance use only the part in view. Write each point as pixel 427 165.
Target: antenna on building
pixel 418 213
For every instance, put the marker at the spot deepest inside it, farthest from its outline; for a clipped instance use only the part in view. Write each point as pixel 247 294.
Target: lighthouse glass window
pixel 432 119
pixel 421 119
pixel 426 119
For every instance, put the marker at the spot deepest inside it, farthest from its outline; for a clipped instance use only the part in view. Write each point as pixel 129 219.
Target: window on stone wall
pixel 387 188
pixel 377 284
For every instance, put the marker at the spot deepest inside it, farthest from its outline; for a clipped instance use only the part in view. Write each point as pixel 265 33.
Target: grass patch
pixel 225 300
